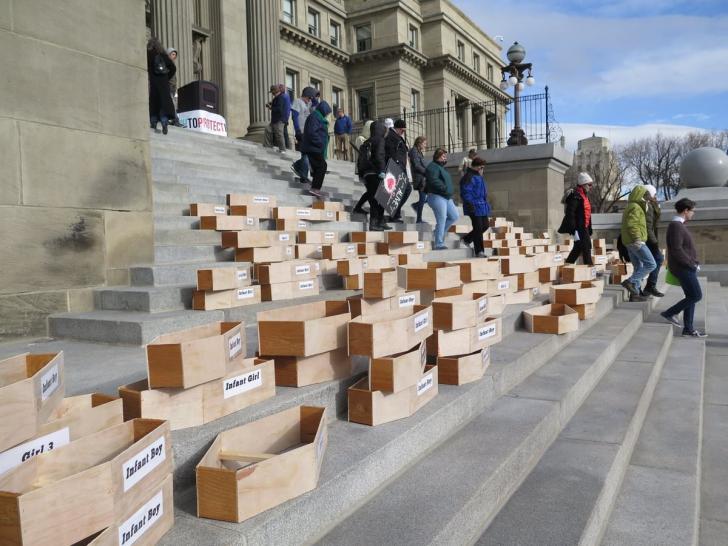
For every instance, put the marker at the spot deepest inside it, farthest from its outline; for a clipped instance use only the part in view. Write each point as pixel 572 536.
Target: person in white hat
pixel 652 216
pixel 577 219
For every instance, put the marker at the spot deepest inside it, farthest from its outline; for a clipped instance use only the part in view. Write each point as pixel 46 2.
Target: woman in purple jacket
pixel 474 194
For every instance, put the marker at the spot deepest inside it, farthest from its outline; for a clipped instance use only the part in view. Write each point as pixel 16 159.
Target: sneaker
pixel 672 319
pixel 653 291
pixel 385 227
pixel 695 333
pixel 316 193
pixel 480 255
pixel 441 247
pixel 630 288
pixel 637 298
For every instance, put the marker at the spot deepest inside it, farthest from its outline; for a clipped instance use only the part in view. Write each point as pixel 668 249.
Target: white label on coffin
pixel 242 275
pixel 489 330
pixel 420 246
pixel 364 263
pixel 503 285
pixel 302 224
pixel 49 382
pixel 535 291
pixel 141 464
pixel 408 300
pixel 329 214
pixel 485 356
pixel 250 221
pixel 245 293
pixel 329 235
pixel 425 384
pixel 142 520
pixel 421 321
pixel 261 199
pixel 219 210
pixel 303 212
pixel 284 237
pixel 235 345
pixel 558 257
pixel 241 383
pixel 351 249
pixel 18 454
pixel 303 269
pixel 305 285
pixel 289 251
pixel 482 306
pixel 593 272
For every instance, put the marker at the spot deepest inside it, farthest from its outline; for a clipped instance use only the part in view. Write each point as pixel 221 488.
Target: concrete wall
pixel 74 154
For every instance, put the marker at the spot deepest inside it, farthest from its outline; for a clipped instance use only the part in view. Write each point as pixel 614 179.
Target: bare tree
pixel 656 161
pixel 609 176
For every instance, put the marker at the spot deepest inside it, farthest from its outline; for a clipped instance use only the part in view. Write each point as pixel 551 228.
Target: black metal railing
pixel 464 125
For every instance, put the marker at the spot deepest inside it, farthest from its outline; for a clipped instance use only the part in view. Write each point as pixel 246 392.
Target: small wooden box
pixel 429 278
pixel 336 206
pixel 578 273
pixel 428 296
pixel 310 251
pixel 289 290
pixel 367 237
pixel 456 312
pixel 278 253
pixel 253 211
pixel 521 296
pixel 555 318
pixel 459 370
pixel 381 284
pixel 410 259
pixel 145 524
pixel 402 237
pixel 575 293
pixel 389 333
pixel 620 268
pixel 31 387
pixel 303 330
pixel 254 467
pixel 292 213
pixel 74 418
pixel 421 247
pixel 190 357
pixel 478 269
pixel 68 494
pixel 301 371
pixel 207 209
pixel 255 239
pixel 466 340
pixel 512 265
pixel 585 310
pixel 225 299
pixel 249 382
pixel 528 280
pixel 296 270
pixel 398 372
pixel 358 305
pixel 317 237
pixel 223 278
pixel 340 251
pixel 234 199
pixel 229 223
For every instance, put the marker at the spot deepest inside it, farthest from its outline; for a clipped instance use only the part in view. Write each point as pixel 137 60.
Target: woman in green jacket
pixel 634 237
pixel 439 188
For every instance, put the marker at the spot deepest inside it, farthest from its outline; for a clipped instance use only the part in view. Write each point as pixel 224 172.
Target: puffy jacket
pixel 316 131
pixel 573 214
pixel 634 221
pixel 377 132
pixel 438 180
pixel 395 148
pixel 652 216
pixel 417 164
pixel 474 194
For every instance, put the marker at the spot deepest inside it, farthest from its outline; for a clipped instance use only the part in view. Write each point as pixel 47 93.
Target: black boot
pixel 637 298
pixel 630 288
pixel 374 226
pixel 652 290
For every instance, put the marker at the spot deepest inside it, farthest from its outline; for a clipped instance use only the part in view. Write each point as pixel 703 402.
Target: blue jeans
pixel 690 285
pixel 446 215
pixel 302 165
pixel 659 260
pixel 643 263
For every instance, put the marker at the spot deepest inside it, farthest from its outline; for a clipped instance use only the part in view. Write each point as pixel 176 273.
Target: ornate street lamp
pixel 516 71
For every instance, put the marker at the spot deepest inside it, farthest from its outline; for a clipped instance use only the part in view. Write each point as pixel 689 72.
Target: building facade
pixel 374 58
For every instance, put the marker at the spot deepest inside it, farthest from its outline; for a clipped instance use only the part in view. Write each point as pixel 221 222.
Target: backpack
pixel 364 161
pixel 159 67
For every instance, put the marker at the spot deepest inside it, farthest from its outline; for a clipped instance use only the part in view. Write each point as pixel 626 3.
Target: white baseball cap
pixel 583 179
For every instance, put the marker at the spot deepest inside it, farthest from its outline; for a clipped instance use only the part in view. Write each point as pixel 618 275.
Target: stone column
pixel 263 62
pixel 172 24
pixel 467 127
pixel 482 129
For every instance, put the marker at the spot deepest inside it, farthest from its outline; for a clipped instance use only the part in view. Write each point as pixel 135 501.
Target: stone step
pixel 658 500
pixel 567 497
pixel 494 452
pixel 192 253
pixel 170 273
pixel 187 237
pixel 147 299
pixel 359 459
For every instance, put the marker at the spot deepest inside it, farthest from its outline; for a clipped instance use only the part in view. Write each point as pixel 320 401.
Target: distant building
pixel 595 156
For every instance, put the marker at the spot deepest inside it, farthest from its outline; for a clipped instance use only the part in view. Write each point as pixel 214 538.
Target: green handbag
pixel 671 279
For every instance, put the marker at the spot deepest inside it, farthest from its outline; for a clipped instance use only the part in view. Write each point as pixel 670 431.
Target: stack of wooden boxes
pixel 224 288
pixel 403 243
pixel 399 381
pixel 288 280
pixel 198 375
pixel 307 342
pixel 79 473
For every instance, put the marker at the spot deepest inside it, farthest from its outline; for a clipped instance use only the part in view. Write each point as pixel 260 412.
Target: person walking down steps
pixel 439 197
pixel 652 215
pixel 161 69
pixel 417 163
pixel 577 220
pixel 371 167
pixel 634 237
pixel 474 195
pixel 682 261
pixel 316 144
pixel 300 110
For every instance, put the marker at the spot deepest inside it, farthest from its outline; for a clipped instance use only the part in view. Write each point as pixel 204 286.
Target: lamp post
pixel 517 71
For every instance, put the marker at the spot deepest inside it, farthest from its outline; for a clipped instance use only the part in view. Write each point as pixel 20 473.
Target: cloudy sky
pixel 623 69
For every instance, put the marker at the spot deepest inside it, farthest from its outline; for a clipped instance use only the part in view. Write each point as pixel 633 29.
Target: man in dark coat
pixel 316 144
pixel 161 69
pixel 373 174
pixel 395 148
pixel 577 220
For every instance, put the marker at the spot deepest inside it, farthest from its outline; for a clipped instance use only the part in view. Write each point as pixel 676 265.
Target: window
pixel 337 98
pixel 292 84
pixel 490 72
pixel 316 84
pixel 335 34
pixel 364 98
pixel 289 11
pixel 363 37
pixel 314 22
pixel 415 100
pixel 476 62
pixel 414 38
pixel 461 51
